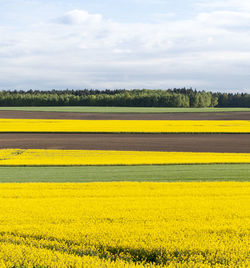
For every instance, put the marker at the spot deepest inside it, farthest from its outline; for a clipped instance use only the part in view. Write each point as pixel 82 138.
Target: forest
pixel 182 97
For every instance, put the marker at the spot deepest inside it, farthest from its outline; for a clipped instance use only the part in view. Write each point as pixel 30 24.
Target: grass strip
pixel 172 173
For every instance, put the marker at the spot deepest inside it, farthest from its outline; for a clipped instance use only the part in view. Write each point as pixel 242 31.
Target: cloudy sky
pixel 204 44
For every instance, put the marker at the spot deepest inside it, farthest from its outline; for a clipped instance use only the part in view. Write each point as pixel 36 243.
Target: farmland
pixel 114 224
pixel 237 143
pixel 162 173
pixel 125 126
pixel 135 110
pixel 127 114
pixel 36 157
pixel 139 205
pixel 102 113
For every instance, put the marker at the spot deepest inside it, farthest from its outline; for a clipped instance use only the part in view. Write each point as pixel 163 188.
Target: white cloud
pixel 78 50
pixel 80 17
pixel 161 17
pixel 225 18
pixel 241 5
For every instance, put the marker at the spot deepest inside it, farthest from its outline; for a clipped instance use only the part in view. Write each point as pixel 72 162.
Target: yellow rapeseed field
pixel 25 157
pixel 120 224
pixel 133 126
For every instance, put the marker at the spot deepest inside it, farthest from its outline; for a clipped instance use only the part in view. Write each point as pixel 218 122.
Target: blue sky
pixel 125 44
pixel 26 12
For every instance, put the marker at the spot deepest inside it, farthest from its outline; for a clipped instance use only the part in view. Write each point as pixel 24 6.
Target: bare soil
pixel 126 116
pixel 234 143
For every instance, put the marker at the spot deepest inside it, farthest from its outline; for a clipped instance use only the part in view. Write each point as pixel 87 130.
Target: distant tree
pixel 137 98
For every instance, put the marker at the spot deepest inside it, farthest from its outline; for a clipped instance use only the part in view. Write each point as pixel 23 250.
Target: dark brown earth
pixel 142 142
pixel 126 116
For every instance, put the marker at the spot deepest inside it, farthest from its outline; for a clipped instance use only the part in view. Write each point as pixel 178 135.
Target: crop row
pixel 125 126
pixel 114 224
pixel 23 157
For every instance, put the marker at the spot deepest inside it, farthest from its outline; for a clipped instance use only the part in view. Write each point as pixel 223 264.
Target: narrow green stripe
pixel 236 172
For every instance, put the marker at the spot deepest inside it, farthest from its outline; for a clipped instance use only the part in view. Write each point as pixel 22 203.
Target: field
pixel 237 143
pixel 124 126
pixel 123 109
pixel 168 173
pixel 116 224
pixel 38 157
pixel 107 201
pixel 127 115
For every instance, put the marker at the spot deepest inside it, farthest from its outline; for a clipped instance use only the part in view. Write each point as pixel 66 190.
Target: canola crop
pixel 125 126
pixel 46 157
pixel 125 225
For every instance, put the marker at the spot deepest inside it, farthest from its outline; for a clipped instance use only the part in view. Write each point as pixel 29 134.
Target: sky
pixel 116 44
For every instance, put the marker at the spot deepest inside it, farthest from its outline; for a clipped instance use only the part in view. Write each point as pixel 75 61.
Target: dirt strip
pixel 126 116
pixel 234 143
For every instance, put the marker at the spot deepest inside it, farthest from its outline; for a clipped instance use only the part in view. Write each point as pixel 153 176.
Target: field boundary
pixel 119 109
pixel 132 165
pixel 156 133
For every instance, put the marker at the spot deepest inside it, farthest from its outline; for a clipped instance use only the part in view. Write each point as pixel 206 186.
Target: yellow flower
pixel 131 126
pixel 125 225
pixel 21 157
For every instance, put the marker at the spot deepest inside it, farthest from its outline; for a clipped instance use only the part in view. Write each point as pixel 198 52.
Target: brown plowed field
pixel 239 143
pixel 139 142
pixel 126 116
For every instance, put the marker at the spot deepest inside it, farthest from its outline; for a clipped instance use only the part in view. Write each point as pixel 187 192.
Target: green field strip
pixel 158 173
pixel 88 109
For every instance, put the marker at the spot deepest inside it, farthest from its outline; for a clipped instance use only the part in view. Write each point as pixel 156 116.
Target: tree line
pixel 128 98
